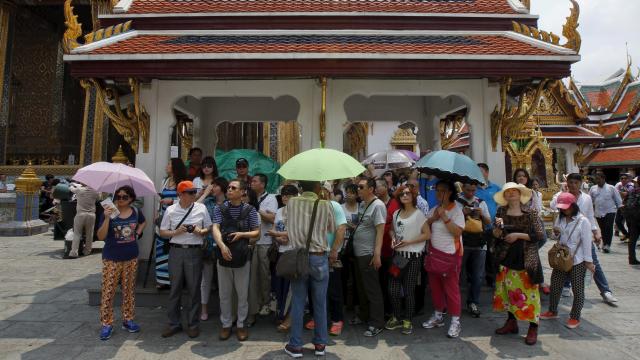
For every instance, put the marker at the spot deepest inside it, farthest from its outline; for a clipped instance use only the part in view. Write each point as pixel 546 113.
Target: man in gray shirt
pixel 367 247
pixel 85 219
pixel 606 201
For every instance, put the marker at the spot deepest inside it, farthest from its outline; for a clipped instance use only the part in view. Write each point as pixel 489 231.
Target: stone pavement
pixel 44 314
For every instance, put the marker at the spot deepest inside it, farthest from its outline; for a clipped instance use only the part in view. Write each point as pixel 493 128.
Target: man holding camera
pixel 185 223
pixel 234 224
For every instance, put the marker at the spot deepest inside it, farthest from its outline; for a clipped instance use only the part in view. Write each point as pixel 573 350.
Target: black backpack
pixel 240 252
pixel 631 207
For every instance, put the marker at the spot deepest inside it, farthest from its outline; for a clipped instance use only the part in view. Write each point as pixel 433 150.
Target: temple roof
pixel 320 6
pixel 563 133
pixel 614 157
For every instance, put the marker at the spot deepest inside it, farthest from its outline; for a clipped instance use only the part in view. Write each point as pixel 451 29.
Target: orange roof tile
pixel 614 157
pixel 320 6
pixel 628 101
pixel 322 44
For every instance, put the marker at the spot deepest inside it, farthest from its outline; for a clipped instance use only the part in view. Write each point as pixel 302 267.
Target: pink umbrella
pixel 107 177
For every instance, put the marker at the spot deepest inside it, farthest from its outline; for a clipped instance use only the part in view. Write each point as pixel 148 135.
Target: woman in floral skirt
pixel 517 231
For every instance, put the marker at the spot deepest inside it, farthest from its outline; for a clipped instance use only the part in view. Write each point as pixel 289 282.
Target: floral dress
pixel 520 271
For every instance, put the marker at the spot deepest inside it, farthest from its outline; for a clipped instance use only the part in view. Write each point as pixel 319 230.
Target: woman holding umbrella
pixel 446 221
pixel 120 259
pixel 517 230
pixel 176 172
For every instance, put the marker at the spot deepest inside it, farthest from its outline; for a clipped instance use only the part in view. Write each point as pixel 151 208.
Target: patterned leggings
pixel 404 289
pixel 114 272
pixel 558 277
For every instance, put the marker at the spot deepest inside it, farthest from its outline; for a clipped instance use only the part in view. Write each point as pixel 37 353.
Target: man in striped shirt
pixel 299 213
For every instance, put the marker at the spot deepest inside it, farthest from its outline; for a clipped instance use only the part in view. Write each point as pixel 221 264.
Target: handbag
pixel 349 251
pixel 441 263
pixel 294 264
pixel 560 256
pixel 398 266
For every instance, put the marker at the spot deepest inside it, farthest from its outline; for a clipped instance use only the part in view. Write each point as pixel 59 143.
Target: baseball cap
pixel 565 200
pixel 185 186
pixel 242 162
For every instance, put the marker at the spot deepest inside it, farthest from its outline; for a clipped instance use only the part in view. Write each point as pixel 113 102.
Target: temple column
pixel 495 159
pixel 6 20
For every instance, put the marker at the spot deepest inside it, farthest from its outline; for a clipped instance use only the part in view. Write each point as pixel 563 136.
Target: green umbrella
pixel 448 165
pixel 320 165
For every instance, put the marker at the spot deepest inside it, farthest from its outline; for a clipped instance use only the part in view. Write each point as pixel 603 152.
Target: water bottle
pixel 587 278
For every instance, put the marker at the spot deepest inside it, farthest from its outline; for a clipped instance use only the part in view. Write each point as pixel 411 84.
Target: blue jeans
pixel 599 277
pixel 318 279
pixel 473 265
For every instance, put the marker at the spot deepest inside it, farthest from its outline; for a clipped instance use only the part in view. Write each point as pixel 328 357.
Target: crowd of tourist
pixel 376 246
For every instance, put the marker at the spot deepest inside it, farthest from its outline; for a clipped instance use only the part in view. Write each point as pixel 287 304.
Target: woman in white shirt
pixel 574 231
pixel 446 221
pixel 207 174
pixel 409 234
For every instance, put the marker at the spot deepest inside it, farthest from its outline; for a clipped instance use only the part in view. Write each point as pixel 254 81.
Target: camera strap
pixel 185 216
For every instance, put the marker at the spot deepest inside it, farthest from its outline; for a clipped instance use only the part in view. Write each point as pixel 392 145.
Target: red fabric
pixel 445 292
pixel 193 172
pixel 392 206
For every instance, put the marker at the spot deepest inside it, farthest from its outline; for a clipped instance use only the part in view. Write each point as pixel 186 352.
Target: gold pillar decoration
pixel 186 139
pixel 323 111
pixel 140 114
pixel 120 157
pixel 85 118
pixel 74 28
pixel 28 182
pixel 132 123
pixel 509 121
pixel 570 29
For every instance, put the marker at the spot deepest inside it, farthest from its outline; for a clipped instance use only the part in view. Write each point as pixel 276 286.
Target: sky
pixel 605 26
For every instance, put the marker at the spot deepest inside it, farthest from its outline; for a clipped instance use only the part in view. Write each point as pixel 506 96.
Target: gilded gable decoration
pixel 74 28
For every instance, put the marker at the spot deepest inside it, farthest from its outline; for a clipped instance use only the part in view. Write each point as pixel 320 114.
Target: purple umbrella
pixel 107 177
pixel 411 154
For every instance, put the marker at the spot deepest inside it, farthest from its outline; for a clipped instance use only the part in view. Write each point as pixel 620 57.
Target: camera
pixel 190 228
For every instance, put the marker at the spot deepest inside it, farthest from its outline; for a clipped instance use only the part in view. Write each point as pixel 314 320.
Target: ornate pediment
pixel 403 137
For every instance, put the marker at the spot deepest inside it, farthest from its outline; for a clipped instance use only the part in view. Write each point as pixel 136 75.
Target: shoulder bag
pixel 165 245
pixel 560 256
pixel 294 264
pixel 399 263
pixel 349 252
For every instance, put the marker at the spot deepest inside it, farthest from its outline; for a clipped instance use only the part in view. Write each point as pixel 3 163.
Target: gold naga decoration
pixel 131 124
pixel 526 3
pixel 323 111
pixel 581 153
pixel 74 28
pixel 570 29
pixel 509 121
pixel 107 32
pixel 536 33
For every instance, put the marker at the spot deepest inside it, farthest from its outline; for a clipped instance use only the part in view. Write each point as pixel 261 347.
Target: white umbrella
pixel 388 160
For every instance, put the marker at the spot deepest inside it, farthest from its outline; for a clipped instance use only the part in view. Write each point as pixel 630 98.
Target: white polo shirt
pixel 270 205
pixel 199 216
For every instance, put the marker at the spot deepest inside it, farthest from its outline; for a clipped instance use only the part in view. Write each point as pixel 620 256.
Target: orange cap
pixel 184 186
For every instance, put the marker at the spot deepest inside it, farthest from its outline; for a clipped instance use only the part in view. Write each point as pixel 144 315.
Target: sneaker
pixel 72 255
pixel 355 321
pixel 572 323
pixel 372 331
pixel 609 298
pixel 454 330
pixel 606 249
pixel 473 310
pixel 393 324
pixel 319 349
pixel 293 352
pixel 548 315
pixel 105 332
pixel 433 322
pixel 566 292
pixel 265 310
pixel 310 325
pixel 336 328
pixel 130 326
pixel 407 327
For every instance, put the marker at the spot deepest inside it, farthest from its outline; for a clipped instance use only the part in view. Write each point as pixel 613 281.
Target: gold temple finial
pixel 323 111
pixel 120 157
pixel 74 28
pixel 28 182
pixel 570 29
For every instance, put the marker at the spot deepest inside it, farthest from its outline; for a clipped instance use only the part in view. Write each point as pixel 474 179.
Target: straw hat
pixel 525 193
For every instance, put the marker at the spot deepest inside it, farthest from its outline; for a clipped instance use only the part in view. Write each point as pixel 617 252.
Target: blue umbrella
pixel 447 165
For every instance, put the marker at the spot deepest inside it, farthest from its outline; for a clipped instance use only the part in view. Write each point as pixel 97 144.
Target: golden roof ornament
pixel 28 182
pixel 120 157
pixel 74 28
pixel 570 29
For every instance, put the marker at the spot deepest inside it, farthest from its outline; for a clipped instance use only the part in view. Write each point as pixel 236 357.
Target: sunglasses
pixel 241 166
pixel 361 187
pixel 121 197
pixel 190 192
pixel 208 166
pixel 405 193
pixel 231 187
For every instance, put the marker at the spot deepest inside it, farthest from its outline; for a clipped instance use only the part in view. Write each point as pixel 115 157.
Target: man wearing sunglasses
pixel 242 170
pixel 185 223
